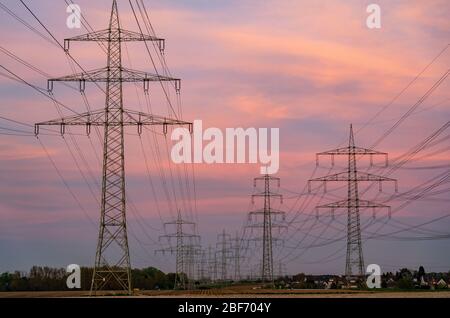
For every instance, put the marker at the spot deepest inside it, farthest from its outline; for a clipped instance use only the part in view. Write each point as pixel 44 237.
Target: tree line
pixel 43 278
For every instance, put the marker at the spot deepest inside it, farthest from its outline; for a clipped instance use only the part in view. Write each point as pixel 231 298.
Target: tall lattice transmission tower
pixel 354 265
pixel 187 243
pixel 271 218
pixel 112 261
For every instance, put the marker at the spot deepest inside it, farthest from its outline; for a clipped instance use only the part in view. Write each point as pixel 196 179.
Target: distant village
pixel 48 279
pixel 403 279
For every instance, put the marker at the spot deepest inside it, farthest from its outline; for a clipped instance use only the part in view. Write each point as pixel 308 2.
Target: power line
pixel 113 229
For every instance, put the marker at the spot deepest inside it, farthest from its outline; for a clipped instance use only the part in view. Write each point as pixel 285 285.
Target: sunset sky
pixel 309 68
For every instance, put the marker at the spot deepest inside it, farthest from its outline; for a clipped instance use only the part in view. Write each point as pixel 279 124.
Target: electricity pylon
pixel 193 254
pixel 212 264
pixel 236 248
pixel 272 218
pixel 186 244
pixel 281 269
pixel 224 251
pixel 112 261
pixel 202 266
pixel 354 265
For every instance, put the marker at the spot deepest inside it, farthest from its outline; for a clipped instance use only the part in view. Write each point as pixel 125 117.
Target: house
pixel 441 283
pixel 332 283
pixel 352 284
pixel 423 283
pixel 390 283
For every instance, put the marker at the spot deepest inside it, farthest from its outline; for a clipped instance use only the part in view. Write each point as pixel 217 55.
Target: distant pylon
pixel 237 257
pixel 202 267
pixel 224 251
pixel 216 267
pixel 281 269
pixel 354 265
pixel 186 244
pixel 191 257
pixel 211 264
pixel 112 261
pixel 272 218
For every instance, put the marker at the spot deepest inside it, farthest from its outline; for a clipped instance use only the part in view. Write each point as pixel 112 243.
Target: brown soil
pixel 244 291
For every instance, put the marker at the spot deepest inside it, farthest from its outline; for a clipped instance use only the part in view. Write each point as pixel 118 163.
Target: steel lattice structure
pixel 236 246
pixel 282 272
pixel 212 264
pixel 269 215
pixel 224 253
pixel 187 247
pixel 112 261
pixel 354 265
pixel 202 266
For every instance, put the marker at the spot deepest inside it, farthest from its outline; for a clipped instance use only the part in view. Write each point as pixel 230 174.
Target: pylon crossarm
pixel 180 227
pixel 139 119
pixel 184 235
pixel 262 211
pixel 349 150
pixel 346 204
pixel 97 118
pixel 131 117
pixel 94 117
pixel 263 178
pixel 271 194
pixel 360 176
pixel 259 239
pixel 114 75
pixel 105 36
pixel 179 222
pixel 364 176
pixel 267 194
pixel 194 247
pixel 166 250
pixel 358 151
pixel 274 225
pixel 174 249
